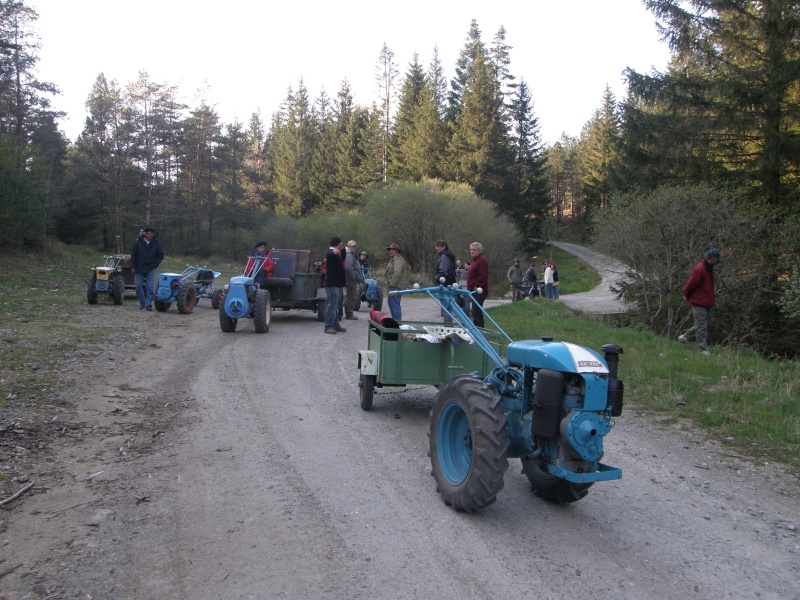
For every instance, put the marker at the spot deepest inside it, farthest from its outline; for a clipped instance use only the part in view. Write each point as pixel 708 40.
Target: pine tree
pixel 464 67
pixel 385 74
pixel 526 201
pixel 480 152
pixel 600 152
pixel 728 104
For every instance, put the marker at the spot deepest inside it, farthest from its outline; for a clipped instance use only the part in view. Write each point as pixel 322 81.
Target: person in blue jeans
pixel 394 278
pixel 334 282
pixel 145 258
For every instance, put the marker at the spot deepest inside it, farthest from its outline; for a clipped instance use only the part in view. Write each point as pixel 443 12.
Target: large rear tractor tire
pixel 378 304
pixel 366 391
pixel 262 313
pixel 117 289
pixel 91 292
pixel 215 297
pixel 322 306
pixel 186 298
pixel 226 323
pixel 550 487
pixel 468 443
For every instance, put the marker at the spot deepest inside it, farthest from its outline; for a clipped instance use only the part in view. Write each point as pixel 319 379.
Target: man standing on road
pixel 699 292
pixel 145 258
pixel 334 282
pixel 514 277
pixel 354 275
pixel 394 279
pixel 445 269
pixel 478 277
pixel 548 282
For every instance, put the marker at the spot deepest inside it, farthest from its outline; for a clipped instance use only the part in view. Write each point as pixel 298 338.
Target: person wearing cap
pixel 395 272
pixel 353 276
pixel 362 261
pixel 515 277
pixel 699 292
pixel 334 282
pixel 145 258
pixel 267 265
pixel 445 270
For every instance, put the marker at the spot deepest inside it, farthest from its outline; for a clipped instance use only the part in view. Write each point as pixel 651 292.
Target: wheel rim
pixel 454 443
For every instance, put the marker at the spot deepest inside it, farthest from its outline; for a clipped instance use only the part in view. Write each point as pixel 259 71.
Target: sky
pixel 242 56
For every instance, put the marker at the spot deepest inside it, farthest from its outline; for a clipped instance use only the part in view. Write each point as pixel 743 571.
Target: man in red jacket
pixel 478 277
pixel 699 291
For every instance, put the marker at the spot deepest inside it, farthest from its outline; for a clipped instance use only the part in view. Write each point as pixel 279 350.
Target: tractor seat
pixel 205 276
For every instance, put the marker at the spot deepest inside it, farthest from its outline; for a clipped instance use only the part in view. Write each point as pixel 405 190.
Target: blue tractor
pixel 186 289
pixel 548 403
pixel 243 298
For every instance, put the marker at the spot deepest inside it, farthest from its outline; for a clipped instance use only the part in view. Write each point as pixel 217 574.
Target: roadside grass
pixel 751 405
pixel 46 322
pixel 575 275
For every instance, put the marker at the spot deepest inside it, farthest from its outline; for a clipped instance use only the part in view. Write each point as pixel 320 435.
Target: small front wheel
pixel 378 304
pixel 322 306
pixel 161 306
pixel 468 443
pixel 366 391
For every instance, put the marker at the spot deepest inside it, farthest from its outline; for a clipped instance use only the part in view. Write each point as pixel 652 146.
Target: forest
pixel 705 153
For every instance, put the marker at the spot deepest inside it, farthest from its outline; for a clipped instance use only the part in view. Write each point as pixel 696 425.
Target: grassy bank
pixel 752 405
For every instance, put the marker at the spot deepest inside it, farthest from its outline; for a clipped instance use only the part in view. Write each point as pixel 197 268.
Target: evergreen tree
pixel 600 152
pixel 464 67
pixel 564 177
pixel 728 104
pixel 480 152
pixel 527 199
pixel 294 137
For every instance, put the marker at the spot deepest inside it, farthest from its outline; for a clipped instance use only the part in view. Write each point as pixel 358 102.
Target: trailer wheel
pixel 366 391
pixel 550 487
pixel 91 292
pixel 117 289
pixel 186 298
pixel 262 314
pixel 215 297
pixel 226 323
pixel 322 306
pixel 161 306
pixel 468 443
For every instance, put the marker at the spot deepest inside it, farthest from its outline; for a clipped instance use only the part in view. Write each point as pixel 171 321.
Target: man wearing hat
pixel 699 292
pixel 353 276
pixel 145 258
pixel 394 279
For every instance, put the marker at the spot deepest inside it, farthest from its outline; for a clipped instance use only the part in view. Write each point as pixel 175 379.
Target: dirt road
pixel 214 465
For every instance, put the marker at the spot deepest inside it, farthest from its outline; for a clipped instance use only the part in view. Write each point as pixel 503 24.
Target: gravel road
pixel 600 300
pixel 240 465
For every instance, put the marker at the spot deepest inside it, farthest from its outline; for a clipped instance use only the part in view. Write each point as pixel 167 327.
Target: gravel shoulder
pixel 212 465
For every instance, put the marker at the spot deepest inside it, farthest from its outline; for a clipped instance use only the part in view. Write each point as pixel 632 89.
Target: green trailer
pixel 420 353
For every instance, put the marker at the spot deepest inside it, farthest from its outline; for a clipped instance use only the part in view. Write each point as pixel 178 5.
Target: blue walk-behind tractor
pixel 186 289
pixel 244 299
pixel 549 403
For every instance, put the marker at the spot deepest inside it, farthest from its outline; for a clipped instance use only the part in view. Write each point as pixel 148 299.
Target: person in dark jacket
pixel 445 269
pixel 145 258
pixel 699 292
pixel 334 282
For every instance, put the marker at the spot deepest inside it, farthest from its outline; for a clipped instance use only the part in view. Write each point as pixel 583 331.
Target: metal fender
pixel 558 356
pixel 368 362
